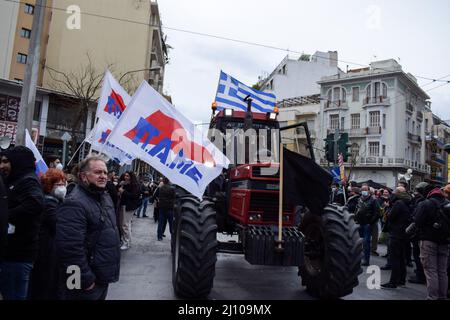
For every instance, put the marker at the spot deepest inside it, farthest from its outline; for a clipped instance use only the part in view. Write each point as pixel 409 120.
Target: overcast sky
pixel 416 33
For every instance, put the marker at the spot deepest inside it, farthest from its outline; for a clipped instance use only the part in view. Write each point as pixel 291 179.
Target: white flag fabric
pixel 152 130
pixel 231 94
pixel 41 167
pixel 111 105
pixel 97 139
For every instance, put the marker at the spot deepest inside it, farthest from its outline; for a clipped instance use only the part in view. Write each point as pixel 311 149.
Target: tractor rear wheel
pixel 194 248
pixel 333 253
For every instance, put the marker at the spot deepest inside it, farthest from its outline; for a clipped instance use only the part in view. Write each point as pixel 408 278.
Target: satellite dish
pixel 5 142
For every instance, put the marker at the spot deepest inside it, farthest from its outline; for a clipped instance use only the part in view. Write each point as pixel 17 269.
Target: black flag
pixel 305 182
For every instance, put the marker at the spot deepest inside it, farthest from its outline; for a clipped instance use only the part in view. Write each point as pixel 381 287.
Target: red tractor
pixel 325 246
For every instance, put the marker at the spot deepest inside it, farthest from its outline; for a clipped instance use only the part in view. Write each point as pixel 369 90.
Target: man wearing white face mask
pixel 367 212
pixel 43 280
pixel 55 163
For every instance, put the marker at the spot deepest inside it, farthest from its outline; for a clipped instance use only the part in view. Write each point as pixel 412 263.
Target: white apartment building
pixel 296 110
pixel 298 78
pixel 381 108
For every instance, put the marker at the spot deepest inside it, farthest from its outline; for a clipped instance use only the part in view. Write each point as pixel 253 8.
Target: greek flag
pixel 231 94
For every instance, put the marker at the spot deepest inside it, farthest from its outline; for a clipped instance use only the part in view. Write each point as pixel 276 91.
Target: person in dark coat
pixel 25 206
pixel 145 189
pixel 44 277
pixel 353 199
pixel 166 199
pixel 398 219
pixel 129 201
pixel 87 236
pixel 3 218
pixel 433 247
pixel 367 212
pixel 421 191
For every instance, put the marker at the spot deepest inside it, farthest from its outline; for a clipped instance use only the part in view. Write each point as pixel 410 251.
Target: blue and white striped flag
pixel 231 94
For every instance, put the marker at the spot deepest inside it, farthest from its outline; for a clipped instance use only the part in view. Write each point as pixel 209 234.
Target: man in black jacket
pixel 367 212
pixel 398 220
pixel 166 199
pixel 433 246
pixel 25 207
pixel 3 218
pixel 87 238
pixel 421 191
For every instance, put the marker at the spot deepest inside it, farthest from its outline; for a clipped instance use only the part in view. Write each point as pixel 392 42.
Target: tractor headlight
pixel 272 116
pixel 228 112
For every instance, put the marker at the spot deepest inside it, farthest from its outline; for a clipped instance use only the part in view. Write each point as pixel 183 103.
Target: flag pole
pixel 280 197
pixel 75 153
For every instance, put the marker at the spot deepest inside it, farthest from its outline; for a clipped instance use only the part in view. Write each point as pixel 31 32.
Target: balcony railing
pixel 358 132
pixel 336 104
pixel 376 100
pixel 419 116
pixel 409 108
pixel 373 130
pixel 414 138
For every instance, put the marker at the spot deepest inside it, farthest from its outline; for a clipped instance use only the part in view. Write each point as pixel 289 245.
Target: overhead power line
pixel 203 34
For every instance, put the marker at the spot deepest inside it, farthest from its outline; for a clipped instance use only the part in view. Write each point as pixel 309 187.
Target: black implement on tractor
pixel 325 246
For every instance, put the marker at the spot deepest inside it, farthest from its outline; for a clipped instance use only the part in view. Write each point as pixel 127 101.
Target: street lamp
pixel 158 68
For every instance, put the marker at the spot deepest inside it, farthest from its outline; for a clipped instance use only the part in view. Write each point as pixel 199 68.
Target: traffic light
pixel 343 146
pixel 329 148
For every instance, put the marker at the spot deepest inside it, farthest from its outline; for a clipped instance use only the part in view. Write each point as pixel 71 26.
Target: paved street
pixel 146 275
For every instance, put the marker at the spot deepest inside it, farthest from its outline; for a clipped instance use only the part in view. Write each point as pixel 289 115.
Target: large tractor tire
pixel 194 248
pixel 333 253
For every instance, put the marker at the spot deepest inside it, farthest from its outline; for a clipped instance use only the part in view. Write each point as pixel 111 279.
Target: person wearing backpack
pixel 367 212
pixel 433 234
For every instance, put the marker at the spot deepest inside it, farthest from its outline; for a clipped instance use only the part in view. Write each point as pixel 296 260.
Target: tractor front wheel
pixel 194 248
pixel 333 253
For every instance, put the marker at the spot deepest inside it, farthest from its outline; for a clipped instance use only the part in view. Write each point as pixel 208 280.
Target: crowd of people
pixel 61 234
pixel 415 226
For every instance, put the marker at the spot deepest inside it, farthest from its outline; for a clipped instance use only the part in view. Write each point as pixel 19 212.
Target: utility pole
pixel 28 97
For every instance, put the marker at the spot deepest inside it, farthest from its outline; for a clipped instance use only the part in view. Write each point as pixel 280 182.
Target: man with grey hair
pixel 87 238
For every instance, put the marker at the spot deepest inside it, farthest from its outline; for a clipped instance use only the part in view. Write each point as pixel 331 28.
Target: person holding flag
pixel 25 207
pixel 41 167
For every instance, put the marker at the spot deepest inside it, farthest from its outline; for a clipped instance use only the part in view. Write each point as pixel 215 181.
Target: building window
pixel 334 121
pixel 413 127
pixel 374 149
pixel 379 90
pixel 336 94
pixel 29 8
pixel 25 33
pixel 355 91
pixel 384 121
pixel 22 58
pixel 383 153
pixel 356 121
pixel 374 119
pixel 37 111
pixel 342 123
